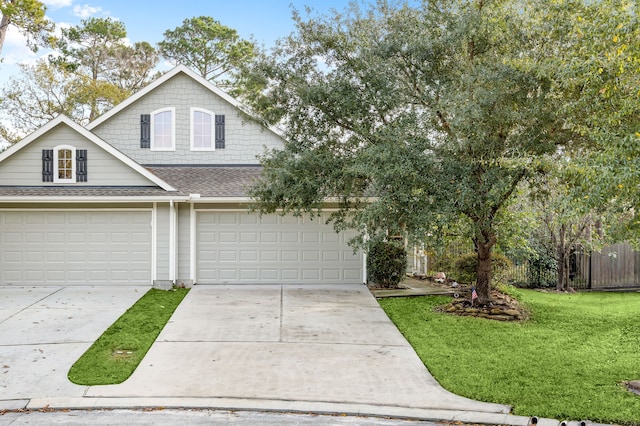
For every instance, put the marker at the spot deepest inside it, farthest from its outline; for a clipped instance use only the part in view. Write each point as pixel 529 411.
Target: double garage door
pixel 115 247
pixel 75 247
pixel 241 248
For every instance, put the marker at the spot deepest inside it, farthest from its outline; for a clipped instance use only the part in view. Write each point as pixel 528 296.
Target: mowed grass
pixel 567 362
pixel 116 354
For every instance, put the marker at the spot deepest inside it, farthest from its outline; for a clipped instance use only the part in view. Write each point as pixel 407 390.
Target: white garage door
pixel 75 248
pixel 241 248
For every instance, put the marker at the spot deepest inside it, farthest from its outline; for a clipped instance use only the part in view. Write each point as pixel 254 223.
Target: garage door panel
pixel 290 256
pixel 11 257
pixel 12 237
pixel 76 256
pixel 290 275
pixel 268 256
pixel 351 274
pixel 279 249
pixel 56 237
pixel 290 237
pixel 75 247
pixel 54 256
pixel 228 237
pixel 269 275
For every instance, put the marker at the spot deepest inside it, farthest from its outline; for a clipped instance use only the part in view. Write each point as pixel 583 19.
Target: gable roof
pixel 168 76
pixel 62 119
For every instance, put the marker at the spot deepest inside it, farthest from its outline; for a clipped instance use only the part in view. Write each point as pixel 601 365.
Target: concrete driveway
pixel 327 348
pixel 44 330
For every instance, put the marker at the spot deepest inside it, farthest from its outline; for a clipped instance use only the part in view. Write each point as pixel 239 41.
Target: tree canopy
pixel 91 70
pixel 212 49
pixel 437 111
pixel 29 17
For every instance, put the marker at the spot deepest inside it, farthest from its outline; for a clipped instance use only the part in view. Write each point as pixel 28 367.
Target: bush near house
pixel 386 263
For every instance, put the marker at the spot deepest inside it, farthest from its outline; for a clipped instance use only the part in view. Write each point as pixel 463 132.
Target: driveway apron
pixel 44 330
pixel 325 343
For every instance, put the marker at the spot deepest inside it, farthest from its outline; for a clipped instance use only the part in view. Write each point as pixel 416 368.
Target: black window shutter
pixel 219 131
pixel 81 165
pixel 145 131
pixel 47 165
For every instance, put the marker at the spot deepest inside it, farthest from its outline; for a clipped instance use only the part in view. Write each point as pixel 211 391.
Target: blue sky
pixel 264 20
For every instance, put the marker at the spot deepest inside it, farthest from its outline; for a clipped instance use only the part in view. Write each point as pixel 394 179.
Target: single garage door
pixel 75 247
pixel 241 248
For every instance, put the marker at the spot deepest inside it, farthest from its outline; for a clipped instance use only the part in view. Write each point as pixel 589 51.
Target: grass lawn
pixel 566 362
pixel 116 354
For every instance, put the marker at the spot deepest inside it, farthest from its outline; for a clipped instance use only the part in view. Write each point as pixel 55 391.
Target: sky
pixel 263 20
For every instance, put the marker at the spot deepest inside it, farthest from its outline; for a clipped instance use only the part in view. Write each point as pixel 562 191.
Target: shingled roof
pixel 81 191
pixel 209 181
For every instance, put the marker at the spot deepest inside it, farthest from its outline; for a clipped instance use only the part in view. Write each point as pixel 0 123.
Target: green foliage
pixel 212 49
pixel 429 109
pixel 567 362
pixel 467 265
pixel 135 331
pixel 386 263
pixel 29 17
pixel 96 69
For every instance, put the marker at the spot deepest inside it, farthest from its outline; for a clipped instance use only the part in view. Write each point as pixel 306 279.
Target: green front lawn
pixel 116 354
pixel 567 362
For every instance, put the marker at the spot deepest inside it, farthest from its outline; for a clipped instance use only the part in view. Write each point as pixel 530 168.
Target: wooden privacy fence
pixel 616 266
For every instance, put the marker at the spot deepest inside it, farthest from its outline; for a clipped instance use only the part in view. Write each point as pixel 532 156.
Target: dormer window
pixel 163 133
pixel 64 164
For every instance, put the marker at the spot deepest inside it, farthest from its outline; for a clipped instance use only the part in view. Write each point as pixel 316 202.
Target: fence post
pixel 590 272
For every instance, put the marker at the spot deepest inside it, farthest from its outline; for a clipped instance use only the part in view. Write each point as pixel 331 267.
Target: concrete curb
pixel 231 404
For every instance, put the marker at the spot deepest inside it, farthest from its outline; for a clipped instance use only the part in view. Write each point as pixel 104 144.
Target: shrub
pixel 386 263
pixel 467 265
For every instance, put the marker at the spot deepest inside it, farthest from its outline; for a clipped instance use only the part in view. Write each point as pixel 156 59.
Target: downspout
pixel 192 237
pixel 172 242
pixel 154 243
pixel 364 261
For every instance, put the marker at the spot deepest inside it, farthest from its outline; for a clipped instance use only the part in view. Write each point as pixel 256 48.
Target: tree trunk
pixel 4 25
pixel 561 269
pixel 484 244
pixel 483 280
pixel 561 254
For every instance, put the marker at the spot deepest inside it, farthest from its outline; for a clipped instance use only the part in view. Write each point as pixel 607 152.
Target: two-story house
pixel 154 191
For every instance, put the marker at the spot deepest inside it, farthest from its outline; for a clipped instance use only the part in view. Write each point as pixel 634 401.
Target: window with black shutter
pixel 219 131
pixel 81 165
pixel 47 165
pixel 145 131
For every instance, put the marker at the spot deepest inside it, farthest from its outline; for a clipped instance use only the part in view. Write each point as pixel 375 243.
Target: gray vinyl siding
pixel 245 139
pixel 162 242
pixel 24 168
pixel 183 242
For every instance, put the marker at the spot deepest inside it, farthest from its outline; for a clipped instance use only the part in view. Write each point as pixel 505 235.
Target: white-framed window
pixel 64 164
pixel 163 129
pixel 202 130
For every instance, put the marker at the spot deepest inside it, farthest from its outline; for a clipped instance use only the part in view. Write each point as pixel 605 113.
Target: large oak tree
pixel 433 111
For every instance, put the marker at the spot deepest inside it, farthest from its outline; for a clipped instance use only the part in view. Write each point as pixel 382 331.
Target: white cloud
pixel 86 11
pixel 15 48
pixel 56 4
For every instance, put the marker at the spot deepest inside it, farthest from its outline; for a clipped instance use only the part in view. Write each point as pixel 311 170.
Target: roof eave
pixel 84 199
